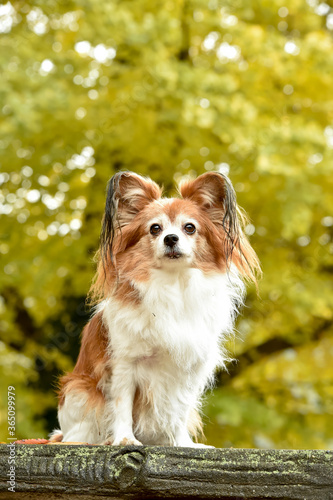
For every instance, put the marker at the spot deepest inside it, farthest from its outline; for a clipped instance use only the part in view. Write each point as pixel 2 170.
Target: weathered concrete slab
pixel 99 472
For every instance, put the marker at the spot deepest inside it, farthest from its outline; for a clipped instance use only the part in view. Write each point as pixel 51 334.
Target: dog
pixel 169 283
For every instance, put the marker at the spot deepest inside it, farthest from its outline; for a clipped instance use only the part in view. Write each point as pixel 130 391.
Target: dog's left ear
pixel 216 196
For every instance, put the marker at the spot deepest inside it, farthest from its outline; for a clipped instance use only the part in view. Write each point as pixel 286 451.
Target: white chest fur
pixel 169 345
pixel 184 314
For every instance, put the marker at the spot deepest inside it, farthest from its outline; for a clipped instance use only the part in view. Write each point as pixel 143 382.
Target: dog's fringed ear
pixel 127 194
pixel 214 193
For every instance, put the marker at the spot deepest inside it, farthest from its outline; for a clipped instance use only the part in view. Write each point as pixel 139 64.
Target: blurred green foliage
pixel 169 89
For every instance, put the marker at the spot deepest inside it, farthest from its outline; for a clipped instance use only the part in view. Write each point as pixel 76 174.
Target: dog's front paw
pixel 125 441
pixel 200 445
pixel 108 442
pixel 190 444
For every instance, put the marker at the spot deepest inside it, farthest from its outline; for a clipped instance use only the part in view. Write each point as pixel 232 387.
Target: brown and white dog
pixel 168 286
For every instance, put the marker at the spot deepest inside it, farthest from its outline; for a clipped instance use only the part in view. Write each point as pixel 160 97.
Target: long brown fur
pixel 93 364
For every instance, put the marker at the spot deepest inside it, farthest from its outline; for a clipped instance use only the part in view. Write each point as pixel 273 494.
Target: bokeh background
pixel 168 89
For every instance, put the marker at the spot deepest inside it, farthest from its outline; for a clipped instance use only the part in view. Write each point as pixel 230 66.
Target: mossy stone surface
pixel 90 472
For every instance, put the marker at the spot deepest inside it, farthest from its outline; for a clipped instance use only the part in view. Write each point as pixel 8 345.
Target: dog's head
pixel 142 231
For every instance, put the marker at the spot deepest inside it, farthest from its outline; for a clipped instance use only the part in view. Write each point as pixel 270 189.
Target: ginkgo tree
pixel 167 90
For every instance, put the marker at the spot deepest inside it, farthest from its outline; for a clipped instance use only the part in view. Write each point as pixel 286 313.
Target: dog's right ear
pixel 127 194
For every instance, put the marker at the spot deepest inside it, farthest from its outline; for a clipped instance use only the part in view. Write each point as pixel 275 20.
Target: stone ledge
pixel 104 472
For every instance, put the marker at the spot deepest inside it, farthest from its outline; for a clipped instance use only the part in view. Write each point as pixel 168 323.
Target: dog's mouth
pixel 173 254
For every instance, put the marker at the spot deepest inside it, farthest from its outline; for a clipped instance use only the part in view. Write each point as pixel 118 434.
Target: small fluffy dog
pixel 168 285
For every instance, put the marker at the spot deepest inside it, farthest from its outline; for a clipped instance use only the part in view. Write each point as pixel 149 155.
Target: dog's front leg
pixel 120 429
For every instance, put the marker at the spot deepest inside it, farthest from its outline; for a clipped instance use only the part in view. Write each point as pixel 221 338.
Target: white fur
pixel 168 346
pixel 75 423
pixel 186 244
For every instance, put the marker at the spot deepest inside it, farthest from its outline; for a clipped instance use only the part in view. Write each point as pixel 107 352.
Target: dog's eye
pixel 155 229
pixel 189 228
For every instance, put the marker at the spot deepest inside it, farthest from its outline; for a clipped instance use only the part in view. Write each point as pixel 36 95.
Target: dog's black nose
pixel 170 240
